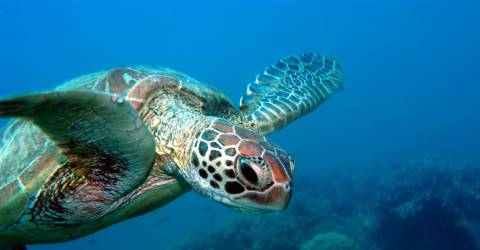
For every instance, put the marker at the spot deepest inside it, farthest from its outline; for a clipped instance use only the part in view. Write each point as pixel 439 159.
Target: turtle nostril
pixel 249 173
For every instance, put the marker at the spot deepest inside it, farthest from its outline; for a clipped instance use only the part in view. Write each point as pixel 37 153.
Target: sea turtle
pixel 112 145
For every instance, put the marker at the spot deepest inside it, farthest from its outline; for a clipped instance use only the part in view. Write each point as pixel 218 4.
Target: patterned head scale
pixel 241 169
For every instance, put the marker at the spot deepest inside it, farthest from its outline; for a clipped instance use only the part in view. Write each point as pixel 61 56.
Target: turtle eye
pixel 248 172
pixel 253 172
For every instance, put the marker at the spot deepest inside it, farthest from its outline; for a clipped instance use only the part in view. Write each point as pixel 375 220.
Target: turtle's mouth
pixel 242 208
pixel 274 199
pixel 252 202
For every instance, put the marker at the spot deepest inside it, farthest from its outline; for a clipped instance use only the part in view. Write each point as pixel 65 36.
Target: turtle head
pixel 240 169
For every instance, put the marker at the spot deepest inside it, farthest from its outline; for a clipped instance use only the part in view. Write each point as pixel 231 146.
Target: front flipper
pixel 110 151
pixel 289 89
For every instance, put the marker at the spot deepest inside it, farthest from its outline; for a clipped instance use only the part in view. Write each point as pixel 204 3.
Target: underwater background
pixel 390 162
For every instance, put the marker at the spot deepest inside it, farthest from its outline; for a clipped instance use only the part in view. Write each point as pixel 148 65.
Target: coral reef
pixel 423 205
pixel 428 204
pixel 410 187
pixel 330 241
pixel 312 212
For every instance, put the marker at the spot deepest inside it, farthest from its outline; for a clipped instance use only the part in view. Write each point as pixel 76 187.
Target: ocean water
pixel 411 90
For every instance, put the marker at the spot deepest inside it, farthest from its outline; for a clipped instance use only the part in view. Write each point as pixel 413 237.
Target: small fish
pixel 212 218
pixel 162 221
pixel 207 208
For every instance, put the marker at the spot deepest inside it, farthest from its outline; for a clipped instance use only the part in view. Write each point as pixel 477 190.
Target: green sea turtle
pixel 112 145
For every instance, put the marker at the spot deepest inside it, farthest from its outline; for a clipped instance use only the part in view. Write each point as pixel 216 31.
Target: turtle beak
pixel 276 198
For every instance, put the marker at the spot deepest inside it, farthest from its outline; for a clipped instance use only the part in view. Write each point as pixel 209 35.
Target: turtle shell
pixel 136 84
pixel 28 157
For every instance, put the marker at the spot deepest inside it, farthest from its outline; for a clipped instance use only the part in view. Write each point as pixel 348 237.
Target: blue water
pixel 411 78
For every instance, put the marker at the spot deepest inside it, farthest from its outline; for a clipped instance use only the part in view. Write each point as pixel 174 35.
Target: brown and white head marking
pixel 240 168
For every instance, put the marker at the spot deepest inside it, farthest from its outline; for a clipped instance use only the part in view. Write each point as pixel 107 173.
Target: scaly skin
pixel 174 122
